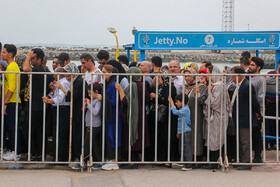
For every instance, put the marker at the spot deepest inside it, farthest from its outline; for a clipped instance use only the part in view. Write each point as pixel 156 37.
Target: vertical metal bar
pixel 257 53
pixel 103 119
pixel 156 116
pixel 277 119
pixel 16 123
pixel 221 119
pixel 130 112
pixel 208 120
pixel 143 118
pixel 169 121
pixel 237 119
pixel 2 117
pixel 142 55
pixel 225 117
pixel 29 118
pixel 83 122
pixel 250 117
pixel 57 121
pixel 117 121
pixel 91 109
pixel 263 122
pixel 182 126
pixel 71 120
pixel 195 126
pixel 44 119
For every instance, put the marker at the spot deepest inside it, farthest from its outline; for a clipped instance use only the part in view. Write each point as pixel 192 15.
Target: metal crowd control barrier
pixel 87 160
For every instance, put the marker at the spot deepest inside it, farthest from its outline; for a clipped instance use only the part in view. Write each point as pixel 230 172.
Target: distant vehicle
pixel 78 49
pixel 64 49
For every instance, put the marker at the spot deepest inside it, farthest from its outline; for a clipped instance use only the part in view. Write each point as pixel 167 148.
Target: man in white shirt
pixel 174 67
pixel 89 65
pixel 58 96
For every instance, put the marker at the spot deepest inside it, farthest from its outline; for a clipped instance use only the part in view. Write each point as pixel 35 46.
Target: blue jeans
pixel 10 123
pixel 187 146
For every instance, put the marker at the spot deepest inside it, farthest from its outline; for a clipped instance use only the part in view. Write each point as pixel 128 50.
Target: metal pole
pixel 117 121
pixel 57 121
pixel 129 127
pixel 2 117
pixel 103 119
pixel 156 116
pixel 16 123
pixel 143 118
pixel 29 119
pixel 221 119
pixel 44 119
pixel 71 120
pixel 250 112
pixel 208 120
pixel 263 122
pixel 226 116
pixel 182 125
pixel 169 121
pixel 195 126
pixel 237 119
pixel 90 127
pixel 83 124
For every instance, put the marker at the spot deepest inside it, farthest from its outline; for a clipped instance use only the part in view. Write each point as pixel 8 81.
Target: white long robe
pixel 217 121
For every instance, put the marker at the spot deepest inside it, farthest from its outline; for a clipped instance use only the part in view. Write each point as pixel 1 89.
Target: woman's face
pixel 188 78
pixel 107 77
pixel 224 70
pixel 203 78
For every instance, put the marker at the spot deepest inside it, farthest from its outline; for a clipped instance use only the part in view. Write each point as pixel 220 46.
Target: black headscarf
pixel 118 66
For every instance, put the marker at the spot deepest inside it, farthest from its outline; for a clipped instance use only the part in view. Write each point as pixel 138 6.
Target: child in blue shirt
pixel 185 118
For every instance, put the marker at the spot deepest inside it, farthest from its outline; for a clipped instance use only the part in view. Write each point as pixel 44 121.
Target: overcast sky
pixel 85 22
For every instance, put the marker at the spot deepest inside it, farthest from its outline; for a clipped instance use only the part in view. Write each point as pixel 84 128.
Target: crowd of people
pixel 202 107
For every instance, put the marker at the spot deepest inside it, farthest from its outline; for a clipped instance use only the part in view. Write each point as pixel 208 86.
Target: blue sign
pixel 263 40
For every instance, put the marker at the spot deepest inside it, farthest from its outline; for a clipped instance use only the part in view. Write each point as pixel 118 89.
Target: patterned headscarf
pixel 71 68
pixel 192 65
pixel 191 71
pixel 20 58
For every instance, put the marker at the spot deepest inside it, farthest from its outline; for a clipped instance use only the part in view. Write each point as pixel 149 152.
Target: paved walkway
pixel 32 175
pixel 137 177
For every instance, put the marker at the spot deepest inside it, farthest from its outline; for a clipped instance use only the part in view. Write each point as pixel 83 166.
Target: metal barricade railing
pixel 222 121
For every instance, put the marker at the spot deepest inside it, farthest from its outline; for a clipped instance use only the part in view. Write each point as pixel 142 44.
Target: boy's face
pixel 178 104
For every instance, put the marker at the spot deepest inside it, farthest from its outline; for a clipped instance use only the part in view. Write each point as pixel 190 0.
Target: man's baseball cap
pixel 62 57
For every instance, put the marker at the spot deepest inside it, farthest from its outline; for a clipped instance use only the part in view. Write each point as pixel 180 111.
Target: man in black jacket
pixel 34 58
pixel 243 113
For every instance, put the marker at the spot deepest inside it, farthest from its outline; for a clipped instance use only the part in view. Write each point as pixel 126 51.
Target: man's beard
pixel 252 71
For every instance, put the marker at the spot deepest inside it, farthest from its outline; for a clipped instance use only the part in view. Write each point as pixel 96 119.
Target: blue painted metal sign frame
pixel 207 40
pixel 251 40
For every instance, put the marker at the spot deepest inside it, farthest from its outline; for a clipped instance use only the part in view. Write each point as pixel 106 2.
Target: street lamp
pixel 133 32
pixel 113 30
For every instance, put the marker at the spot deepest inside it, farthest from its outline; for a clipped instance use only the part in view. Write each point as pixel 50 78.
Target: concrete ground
pixel 146 176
